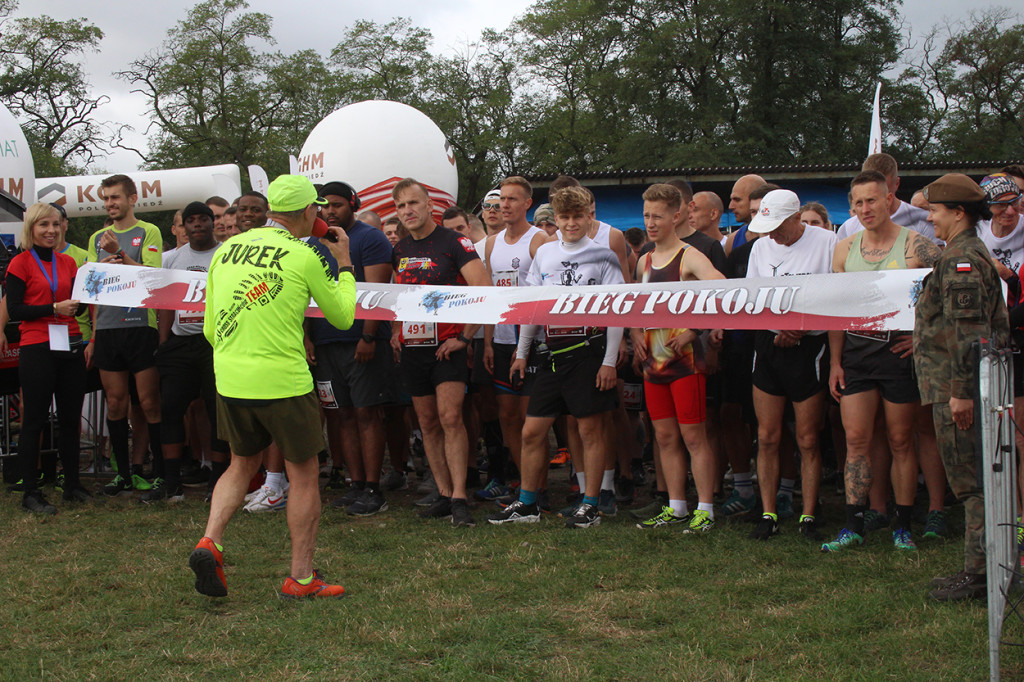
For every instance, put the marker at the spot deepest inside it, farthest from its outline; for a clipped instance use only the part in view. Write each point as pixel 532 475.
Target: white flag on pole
pixel 258 179
pixel 875 143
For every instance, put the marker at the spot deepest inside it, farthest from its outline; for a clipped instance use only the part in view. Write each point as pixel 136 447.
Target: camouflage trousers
pixel 957 449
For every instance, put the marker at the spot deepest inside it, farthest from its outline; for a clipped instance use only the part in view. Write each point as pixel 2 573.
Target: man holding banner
pixel 579 376
pixel 872 370
pixel 433 355
pixel 789 365
pixel 125 339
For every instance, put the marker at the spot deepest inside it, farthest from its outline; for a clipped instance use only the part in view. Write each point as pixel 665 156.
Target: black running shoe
pixel 441 509
pixel 119 485
pixel 35 502
pixel 76 493
pixel 161 492
pixel 461 518
pixel 585 516
pixel 368 505
pixel 517 512
pixel 809 528
pixel 336 481
pixel 766 528
pixel 626 490
pixel 349 498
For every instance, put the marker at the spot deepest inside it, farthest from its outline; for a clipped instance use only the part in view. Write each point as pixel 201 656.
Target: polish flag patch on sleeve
pixel 156 249
pixel 963 267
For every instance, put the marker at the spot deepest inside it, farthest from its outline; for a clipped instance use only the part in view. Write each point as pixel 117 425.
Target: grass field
pixel 105 592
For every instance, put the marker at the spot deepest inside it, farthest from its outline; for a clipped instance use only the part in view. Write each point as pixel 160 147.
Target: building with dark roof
pixel 619 202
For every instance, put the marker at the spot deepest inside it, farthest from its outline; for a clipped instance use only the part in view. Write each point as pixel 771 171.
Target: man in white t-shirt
pixel 788 365
pixel 1004 234
pixel 578 377
pixel 902 213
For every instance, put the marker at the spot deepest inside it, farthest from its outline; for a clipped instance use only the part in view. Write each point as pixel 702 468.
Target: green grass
pixel 105 592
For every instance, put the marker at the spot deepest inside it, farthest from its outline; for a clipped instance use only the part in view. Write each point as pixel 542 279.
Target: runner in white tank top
pixel 509 264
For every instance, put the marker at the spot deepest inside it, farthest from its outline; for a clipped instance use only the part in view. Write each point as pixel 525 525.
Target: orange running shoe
pixel 207 562
pixel 317 588
pixel 561 458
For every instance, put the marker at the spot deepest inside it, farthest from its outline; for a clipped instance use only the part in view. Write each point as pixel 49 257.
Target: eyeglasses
pixel 491 207
pixel 1003 205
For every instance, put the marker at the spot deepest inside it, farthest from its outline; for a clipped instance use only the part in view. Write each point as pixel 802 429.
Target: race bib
pixel 419 333
pixel 325 390
pixel 190 316
pixel 506 278
pixel 633 397
pixel 882 337
pixel 557 332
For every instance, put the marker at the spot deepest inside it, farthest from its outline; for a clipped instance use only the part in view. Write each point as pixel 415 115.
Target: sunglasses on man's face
pixel 491 207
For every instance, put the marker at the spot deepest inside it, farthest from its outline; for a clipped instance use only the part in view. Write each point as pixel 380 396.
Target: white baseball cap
pixel 776 206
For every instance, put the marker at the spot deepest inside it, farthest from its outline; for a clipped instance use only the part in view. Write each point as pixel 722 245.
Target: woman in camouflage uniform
pixel 961 301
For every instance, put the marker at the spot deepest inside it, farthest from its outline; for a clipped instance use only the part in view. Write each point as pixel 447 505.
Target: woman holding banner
pixel 51 364
pixel 961 301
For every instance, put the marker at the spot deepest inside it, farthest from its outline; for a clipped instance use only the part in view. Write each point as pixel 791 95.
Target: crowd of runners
pixel 682 427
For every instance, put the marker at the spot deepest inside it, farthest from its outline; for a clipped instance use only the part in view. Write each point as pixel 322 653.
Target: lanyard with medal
pixel 59 339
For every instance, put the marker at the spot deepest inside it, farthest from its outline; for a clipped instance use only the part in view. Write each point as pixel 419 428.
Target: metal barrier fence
pixel 998 474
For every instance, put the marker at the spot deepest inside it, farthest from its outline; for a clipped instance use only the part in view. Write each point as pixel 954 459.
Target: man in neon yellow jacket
pixel 257 292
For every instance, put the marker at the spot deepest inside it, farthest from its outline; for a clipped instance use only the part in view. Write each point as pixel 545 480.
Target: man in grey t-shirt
pixel 185 361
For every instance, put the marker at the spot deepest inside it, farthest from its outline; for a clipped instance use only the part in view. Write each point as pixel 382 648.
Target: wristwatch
pixel 369 338
pixel 462 337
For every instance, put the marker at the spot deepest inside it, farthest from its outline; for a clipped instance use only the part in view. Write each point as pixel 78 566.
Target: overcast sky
pixel 131 28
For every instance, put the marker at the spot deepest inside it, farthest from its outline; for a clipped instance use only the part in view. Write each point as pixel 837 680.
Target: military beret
pixel 953 188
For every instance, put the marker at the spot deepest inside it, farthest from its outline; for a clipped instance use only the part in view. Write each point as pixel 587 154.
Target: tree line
pixel 570 86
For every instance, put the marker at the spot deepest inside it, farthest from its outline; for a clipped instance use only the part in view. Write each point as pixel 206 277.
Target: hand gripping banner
pixel 868 301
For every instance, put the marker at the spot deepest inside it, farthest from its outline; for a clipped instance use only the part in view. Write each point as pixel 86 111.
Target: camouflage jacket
pixel 961 300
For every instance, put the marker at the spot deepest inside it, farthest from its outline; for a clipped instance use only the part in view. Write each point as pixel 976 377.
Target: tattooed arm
pixel 921 252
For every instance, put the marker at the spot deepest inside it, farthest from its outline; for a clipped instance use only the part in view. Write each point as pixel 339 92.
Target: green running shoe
pixel 700 522
pixel 737 504
pixel 117 486
pixel 667 517
pixel 901 539
pixel 139 483
pixel 846 539
pixel 652 508
pixel 935 526
pixel 873 521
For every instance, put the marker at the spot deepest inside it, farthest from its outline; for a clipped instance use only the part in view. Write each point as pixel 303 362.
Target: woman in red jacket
pixel 51 364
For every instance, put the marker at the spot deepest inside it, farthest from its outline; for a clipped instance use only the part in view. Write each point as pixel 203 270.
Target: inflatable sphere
pixel 372 145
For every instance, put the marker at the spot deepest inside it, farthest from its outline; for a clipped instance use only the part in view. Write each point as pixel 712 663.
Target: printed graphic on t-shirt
pixel 251 292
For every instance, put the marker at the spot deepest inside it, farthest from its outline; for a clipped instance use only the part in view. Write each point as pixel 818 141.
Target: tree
pixel 980 73
pixel 386 61
pixel 215 97
pixel 46 89
pixel 475 97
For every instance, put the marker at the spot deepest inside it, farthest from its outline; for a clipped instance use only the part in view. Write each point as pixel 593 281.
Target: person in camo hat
pixel 960 302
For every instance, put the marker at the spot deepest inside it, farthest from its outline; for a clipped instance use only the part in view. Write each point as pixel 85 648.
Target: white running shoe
pixel 267 499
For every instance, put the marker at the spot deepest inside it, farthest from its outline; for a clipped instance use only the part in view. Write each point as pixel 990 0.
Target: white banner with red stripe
pixel 869 301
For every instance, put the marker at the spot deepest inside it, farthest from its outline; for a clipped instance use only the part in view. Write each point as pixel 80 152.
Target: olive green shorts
pixel 293 424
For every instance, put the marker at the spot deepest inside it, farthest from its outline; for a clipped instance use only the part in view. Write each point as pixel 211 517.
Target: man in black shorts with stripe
pixel 433 355
pixel 125 339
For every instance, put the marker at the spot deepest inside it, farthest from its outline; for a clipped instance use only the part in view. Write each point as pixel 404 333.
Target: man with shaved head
pixel 370 218
pixel 705 213
pixel 739 204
